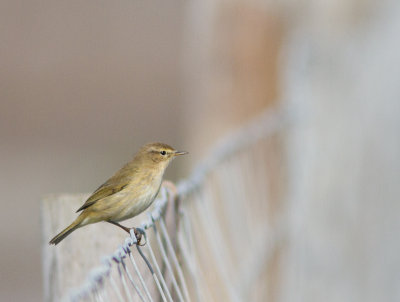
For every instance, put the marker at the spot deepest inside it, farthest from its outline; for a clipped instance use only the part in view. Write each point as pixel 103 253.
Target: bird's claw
pixel 139 233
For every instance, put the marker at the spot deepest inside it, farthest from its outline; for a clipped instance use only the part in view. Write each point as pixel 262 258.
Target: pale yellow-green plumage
pixel 128 192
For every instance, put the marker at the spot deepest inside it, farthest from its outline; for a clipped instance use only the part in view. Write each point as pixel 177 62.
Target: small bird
pixel 129 192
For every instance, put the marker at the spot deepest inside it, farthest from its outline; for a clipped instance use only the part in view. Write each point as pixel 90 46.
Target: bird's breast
pixel 138 200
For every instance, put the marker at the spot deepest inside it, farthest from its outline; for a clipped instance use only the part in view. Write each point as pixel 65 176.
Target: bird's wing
pixel 110 187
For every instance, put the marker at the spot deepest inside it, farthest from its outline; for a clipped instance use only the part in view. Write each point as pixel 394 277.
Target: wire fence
pixel 215 236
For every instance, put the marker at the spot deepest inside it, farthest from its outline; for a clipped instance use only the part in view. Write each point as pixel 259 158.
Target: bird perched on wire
pixel 130 191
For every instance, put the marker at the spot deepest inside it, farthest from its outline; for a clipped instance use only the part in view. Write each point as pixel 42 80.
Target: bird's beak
pixel 176 153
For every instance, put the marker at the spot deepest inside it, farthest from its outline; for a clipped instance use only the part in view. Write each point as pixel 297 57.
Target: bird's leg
pixel 138 232
pixel 121 226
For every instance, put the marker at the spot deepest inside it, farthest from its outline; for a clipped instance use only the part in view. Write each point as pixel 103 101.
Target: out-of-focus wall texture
pixel 339 74
pixel 342 77
pixel 82 85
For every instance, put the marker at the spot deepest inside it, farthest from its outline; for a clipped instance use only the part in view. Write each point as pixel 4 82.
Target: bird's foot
pixel 139 234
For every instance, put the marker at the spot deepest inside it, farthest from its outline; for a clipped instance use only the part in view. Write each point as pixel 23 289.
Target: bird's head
pixel 159 154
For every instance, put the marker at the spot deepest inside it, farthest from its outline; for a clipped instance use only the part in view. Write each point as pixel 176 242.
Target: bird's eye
pixel 163 152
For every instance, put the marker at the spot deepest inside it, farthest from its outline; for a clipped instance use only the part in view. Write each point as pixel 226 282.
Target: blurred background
pixel 83 84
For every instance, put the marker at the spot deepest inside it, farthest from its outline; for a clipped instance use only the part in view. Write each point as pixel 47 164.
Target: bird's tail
pixel 72 227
